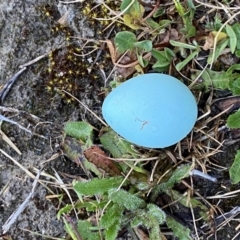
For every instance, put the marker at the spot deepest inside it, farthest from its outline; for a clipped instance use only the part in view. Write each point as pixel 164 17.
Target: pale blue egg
pixel 151 110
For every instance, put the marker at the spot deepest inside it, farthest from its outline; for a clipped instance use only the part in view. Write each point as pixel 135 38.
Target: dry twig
pixel 12 219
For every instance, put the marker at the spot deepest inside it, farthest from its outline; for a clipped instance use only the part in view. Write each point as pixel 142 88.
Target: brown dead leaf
pixel 209 42
pixel 141 234
pixel 99 158
pixel 111 49
pixel 126 72
pixel 164 38
pixel 232 102
pixel 125 64
pixel 174 34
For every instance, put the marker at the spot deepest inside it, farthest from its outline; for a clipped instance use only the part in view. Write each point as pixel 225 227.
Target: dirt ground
pixel 26 33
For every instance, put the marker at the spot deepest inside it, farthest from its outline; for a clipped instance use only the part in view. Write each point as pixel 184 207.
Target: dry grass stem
pixel 211 133
pixel 225 195
pixel 12 219
pixel 18 164
pixel 95 115
pixel 77 1
pixel 218 115
pixel 86 54
pixel 210 137
pixel 53 157
pixel 194 221
pixel 217 35
pixel 8 85
pixel 216 7
pixel 153 171
pixel 42 235
pixel 60 181
pixel 198 194
pixel 236 236
pixel 9 142
pixel 197 78
pixel 175 201
pixel 34 60
pixel 120 14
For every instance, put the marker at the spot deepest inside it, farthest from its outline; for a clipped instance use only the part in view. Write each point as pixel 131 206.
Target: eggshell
pixel 151 110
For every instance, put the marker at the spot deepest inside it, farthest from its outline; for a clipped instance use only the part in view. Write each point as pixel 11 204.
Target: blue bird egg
pixel 151 110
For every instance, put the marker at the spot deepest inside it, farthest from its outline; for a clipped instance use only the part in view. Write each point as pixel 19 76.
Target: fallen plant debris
pixel 6 88
pixel 101 160
pixel 14 216
pixel 125 190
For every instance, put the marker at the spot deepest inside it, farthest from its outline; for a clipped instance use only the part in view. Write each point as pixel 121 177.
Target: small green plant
pixel 120 202
pixel 195 49
pixel 119 208
pixel 127 41
pixel 122 208
pixel 126 198
pixel 133 13
pixel 187 14
pixel 134 18
pixel 227 79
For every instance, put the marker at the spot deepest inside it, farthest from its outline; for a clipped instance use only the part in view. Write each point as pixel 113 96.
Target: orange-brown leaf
pixel 95 155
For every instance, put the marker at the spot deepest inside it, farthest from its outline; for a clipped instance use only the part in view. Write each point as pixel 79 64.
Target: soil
pixel 27 32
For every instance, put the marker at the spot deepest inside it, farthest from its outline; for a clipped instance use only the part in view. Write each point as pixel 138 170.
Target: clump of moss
pixel 92 11
pixel 65 71
pixel 70 64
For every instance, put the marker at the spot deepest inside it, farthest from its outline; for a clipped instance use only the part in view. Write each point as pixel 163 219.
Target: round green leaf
pixel 233 120
pixel 234 170
pixel 125 41
pixel 145 45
